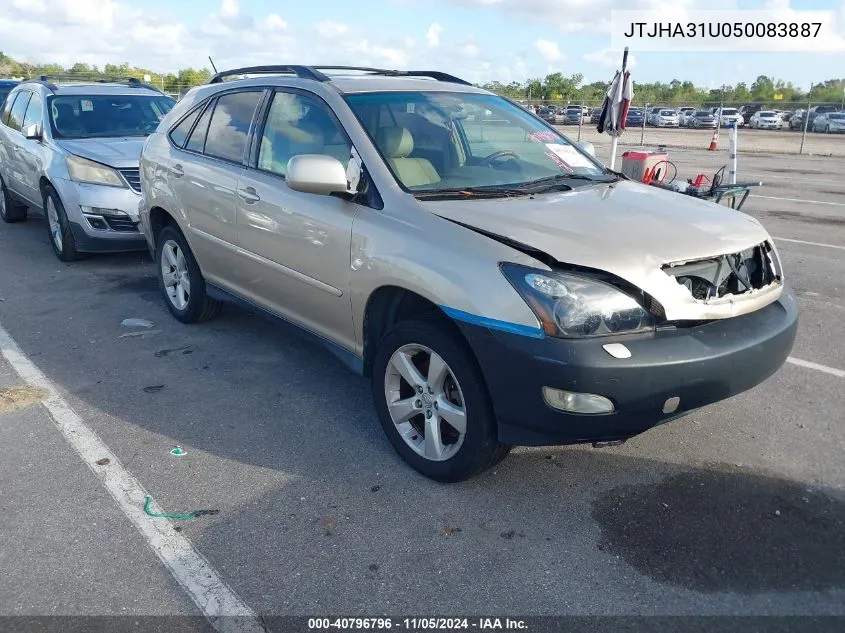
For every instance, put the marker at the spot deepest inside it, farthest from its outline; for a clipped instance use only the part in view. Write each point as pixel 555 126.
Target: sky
pixel 479 40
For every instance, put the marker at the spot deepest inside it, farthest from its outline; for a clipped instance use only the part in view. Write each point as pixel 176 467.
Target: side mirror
pixel 32 132
pixel 316 173
pixel 588 147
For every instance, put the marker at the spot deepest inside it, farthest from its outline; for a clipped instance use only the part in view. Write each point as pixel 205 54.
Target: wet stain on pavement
pixel 727 530
pixel 809 219
pixel 15 398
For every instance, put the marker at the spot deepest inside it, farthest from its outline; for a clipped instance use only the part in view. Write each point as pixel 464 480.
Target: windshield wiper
pixel 551 182
pixel 470 193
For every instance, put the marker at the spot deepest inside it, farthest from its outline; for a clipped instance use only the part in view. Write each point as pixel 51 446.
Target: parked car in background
pixel 71 150
pixel 653 113
pixel 684 114
pixel 765 120
pixel 796 121
pixel 829 122
pixel 729 115
pixel 816 111
pixel 634 118
pixel 667 118
pixel 576 115
pixel 6 86
pixel 747 111
pixel 786 115
pixel 702 119
pixel 487 306
pixel 595 115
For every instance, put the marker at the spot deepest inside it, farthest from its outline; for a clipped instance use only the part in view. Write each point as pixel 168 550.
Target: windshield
pixel 667 113
pixel 767 114
pixel 702 113
pixel 839 116
pixel 729 111
pixel 436 141
pixel 99 116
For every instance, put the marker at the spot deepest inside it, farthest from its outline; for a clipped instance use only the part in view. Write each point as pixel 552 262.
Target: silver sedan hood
pixel 627 229
pixel 122 152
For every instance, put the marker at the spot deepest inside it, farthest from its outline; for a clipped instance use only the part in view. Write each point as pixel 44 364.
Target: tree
pixel 762 89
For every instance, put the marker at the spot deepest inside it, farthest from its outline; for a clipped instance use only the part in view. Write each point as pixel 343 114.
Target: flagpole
pixel 614 140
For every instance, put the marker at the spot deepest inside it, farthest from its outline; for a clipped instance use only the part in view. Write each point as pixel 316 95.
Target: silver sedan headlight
pixel 83 170
pixel 572 306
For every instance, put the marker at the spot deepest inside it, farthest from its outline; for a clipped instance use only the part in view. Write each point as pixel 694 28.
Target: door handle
pixel 177 171
pixel 249 195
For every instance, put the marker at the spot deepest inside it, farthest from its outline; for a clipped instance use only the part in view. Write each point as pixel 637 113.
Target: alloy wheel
pixel 174 274
pixel 425 402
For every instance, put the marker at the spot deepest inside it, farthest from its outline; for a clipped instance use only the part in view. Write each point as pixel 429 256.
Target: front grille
pixel 133 177
pixel 124 225
pixel 730 274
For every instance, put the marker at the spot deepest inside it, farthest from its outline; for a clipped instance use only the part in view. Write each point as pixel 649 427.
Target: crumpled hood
pixel 627 229
pixel 115 152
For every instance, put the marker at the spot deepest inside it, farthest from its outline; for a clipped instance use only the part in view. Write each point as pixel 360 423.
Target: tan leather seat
pixel 396 143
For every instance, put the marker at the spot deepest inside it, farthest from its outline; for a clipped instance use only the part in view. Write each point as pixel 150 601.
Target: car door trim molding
pixel 290 272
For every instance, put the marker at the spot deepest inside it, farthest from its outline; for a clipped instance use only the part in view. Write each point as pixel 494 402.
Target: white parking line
pixel 822 244
pixel 833 204
pixel 780 177
pixel 190 568
pixel 805 363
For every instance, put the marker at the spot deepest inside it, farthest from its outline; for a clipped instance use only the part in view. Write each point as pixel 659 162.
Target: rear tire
pixel 428 439
pixel 10 211
pixel 181 280
pixel 58 228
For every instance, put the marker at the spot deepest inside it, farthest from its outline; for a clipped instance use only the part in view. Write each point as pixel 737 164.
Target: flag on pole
pixel 616 103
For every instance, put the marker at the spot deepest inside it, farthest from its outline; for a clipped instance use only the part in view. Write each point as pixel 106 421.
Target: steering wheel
pixel 505 153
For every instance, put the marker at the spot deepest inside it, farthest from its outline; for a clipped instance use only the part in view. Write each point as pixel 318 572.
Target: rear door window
pixel 179 133
pixel 197 141
pixel 228 130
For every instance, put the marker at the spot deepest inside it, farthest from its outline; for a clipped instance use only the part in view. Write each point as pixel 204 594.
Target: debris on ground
pixel 178 451
pixel 153 388
pixel 372 567
pixel 15 398
pixel 137 323
pixel 181 517
pixel 375 488
pixel 451 530
pixel 140 334
pixel 328 524
pixel 508 535
pixel 105 461
pixel 185 349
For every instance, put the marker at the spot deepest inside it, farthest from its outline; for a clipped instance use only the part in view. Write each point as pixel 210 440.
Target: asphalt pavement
pixel 738 508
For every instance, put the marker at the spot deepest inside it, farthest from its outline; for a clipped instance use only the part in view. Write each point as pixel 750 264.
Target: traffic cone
pixel 714 142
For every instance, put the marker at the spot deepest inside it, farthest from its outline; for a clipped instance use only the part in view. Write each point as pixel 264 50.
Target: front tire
pixel 10 211
pixel 181 280
pixel 58 228
pixel 432 401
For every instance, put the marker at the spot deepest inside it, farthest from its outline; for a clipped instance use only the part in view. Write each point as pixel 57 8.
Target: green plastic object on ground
pixel 182 517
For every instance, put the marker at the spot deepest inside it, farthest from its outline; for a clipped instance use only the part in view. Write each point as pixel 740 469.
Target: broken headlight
pixel 570 305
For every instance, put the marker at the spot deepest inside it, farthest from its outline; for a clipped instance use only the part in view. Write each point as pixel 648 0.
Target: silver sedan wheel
pixel 55 225
pixel 425 402
pixel 174 273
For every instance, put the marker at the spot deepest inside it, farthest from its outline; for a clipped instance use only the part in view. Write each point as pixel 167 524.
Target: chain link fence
pixel 797 133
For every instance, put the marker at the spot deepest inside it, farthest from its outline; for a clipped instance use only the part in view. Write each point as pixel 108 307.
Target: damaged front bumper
pixel 669 373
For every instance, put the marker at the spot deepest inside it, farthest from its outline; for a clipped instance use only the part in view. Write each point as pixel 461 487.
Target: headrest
pixel 395 142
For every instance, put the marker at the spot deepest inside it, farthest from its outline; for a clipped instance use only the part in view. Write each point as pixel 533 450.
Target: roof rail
pixel 303 72
pixel 433 74
pixel 43 80
pixel 315 73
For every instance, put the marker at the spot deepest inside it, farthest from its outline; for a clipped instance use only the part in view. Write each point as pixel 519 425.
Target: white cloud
pixel 609 58
pixel 549 50
pixel 275 22
pixel 229 8
pixel 30 6
pixel 468 50
pixel 329 29
pixel 432 36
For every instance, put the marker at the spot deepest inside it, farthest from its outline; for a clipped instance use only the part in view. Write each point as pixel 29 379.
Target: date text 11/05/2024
pixel 723 29
pixel 417 624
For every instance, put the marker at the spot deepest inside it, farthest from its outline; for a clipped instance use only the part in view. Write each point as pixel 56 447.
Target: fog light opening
pixel 97 223
pixel 116 213
pixel 574 402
